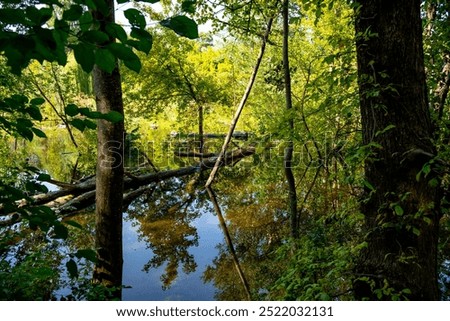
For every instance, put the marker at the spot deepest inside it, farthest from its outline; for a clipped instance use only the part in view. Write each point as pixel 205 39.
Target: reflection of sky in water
pixel 187 287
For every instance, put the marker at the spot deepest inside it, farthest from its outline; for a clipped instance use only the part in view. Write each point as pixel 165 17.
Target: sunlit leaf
pixel 398 210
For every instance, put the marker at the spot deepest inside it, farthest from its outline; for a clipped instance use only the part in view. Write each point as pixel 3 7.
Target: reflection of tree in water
pixel 257 225
pixel 165 216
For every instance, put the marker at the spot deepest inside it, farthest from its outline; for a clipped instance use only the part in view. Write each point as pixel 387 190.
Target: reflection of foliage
pixel 165 220
pixel 257 224
pixel 170 240
pixel 30 269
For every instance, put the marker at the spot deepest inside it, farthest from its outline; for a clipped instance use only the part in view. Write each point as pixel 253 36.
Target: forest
pixel 312 135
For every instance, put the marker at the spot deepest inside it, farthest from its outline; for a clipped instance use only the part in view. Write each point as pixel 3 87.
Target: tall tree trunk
pixel 109 178
pixel 289 150
pixel 401 212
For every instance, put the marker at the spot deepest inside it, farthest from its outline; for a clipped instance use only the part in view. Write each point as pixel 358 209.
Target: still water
pixel 186 287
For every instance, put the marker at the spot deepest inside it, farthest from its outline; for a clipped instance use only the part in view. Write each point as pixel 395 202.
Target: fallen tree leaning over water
pixel 70 199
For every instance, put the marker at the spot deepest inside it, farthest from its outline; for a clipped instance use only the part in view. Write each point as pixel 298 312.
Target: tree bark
pixel 289 150
pixel 401 212
pixel 109 173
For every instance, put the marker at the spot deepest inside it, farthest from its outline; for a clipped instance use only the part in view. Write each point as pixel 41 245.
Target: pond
pixel 174 245
pixel 188 286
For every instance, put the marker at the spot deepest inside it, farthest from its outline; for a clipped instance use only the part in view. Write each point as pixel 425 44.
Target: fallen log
pixel 73 198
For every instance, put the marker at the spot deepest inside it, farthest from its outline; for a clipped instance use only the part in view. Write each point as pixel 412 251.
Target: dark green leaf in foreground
pixel 182 25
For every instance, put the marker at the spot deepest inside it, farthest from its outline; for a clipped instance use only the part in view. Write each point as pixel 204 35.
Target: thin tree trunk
pixel 289 150
pixel 241 104
pixel 401 212
pixel 109 178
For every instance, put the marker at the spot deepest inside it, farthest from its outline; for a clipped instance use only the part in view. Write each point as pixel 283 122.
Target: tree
pixel 287 161
pixel 109 173
pixel 402 204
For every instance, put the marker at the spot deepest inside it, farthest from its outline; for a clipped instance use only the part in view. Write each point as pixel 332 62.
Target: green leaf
pixel 116 31
pixel 148 1
pixel 433 182
pixel 368 185
pixel 188 6
pixel 12 16
pixel 134 64
pixel 33 15
pixel 100 5
pixel 60 232
pixel 72 268
pixel 182 25
pixel 121 51
pixel 135 17
pixel 35 113
pixel 398 210
pixel 73 13
pixel 74 224
pixel 427 220
pixel 84 55
pixel 95 37
pixel 38 132
pixel 44 177
pixel 105 60
pixel 90 124
pixel 78 124
pixel 86 21
pixel 145 40
pixel 94 114
pixel 71 110
pixel 113 116
pixel 37 101
pixel 88 254
pixel 388 128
